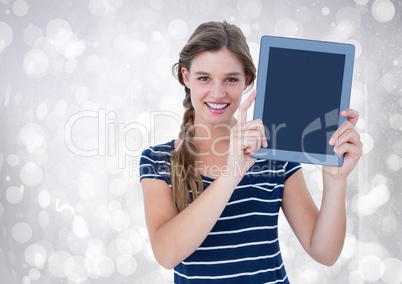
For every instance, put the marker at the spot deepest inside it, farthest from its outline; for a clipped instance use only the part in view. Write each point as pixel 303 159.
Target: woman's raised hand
pixel 346 141
pixel 246 138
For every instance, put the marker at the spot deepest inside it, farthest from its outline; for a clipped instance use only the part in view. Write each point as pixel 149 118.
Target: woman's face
pixel 217 82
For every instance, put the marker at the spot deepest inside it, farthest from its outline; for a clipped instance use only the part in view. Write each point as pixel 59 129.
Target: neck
pixel 216 137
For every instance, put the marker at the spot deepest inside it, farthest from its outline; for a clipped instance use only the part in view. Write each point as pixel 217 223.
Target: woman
pixel 212 210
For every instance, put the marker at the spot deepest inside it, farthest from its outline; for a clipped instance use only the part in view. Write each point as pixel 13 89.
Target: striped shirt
pixel 243 246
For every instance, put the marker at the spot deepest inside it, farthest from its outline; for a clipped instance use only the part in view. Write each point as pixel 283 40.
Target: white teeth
pixel 217 106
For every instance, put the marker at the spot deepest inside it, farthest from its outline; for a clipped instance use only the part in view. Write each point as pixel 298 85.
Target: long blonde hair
pixel 212 36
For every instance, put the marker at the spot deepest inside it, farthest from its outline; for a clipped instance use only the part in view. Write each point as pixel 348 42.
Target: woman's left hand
pixel 346 141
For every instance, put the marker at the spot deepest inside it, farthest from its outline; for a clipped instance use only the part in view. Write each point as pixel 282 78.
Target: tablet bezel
pixel 331 159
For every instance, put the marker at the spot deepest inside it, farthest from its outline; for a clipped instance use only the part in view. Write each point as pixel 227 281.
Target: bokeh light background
pixel 86 85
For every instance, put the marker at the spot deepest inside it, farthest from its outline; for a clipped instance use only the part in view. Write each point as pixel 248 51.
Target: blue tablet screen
pixel 302 99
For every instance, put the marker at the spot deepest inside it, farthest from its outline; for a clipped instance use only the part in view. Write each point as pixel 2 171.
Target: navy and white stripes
pixel 243 245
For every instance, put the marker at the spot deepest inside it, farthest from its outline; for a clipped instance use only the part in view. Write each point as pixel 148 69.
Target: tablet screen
pixel 300 85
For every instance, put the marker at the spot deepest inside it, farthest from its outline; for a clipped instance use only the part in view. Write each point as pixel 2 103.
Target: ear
pixel 185 74
pixel 247 82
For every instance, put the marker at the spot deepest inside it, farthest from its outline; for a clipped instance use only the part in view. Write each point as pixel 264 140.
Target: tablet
pixel 302 86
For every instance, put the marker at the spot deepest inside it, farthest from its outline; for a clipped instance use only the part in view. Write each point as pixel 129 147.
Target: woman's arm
pixel 322 232
pixel 175 236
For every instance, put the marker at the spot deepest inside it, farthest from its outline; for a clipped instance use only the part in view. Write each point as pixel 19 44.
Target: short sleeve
pixel 149 166
pixel 155 162
pixel 290 169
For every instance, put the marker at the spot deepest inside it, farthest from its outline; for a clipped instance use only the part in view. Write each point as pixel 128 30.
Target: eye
pixel 232 80
pixel 203 79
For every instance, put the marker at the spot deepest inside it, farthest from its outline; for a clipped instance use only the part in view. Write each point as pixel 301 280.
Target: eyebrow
pixel 228 74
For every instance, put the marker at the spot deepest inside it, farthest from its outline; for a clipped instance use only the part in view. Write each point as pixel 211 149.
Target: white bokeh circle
pixel 105 265
pixel 178 29
pixel 56 263
pixel 31 34
pixel 249 9
pixel 77 268
pixel 31 174
pixel 35 255
pixel 6 36
pixel 126 265
pixel 36 63
pixel 20 8
pixel 21 232
pixel 117 187
pixel 371 267
pixel 392 271
pixel 383 10
pixel 14 194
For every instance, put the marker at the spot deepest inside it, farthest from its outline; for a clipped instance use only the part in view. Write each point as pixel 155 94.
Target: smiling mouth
pixel 217 106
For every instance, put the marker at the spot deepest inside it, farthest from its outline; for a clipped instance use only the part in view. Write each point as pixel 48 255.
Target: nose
pixel 217 90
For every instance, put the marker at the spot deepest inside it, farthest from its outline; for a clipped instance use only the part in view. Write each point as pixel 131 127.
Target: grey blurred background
pixel 85 85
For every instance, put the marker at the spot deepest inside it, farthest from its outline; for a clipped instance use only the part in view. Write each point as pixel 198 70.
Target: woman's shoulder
pixel 159 152
pixel 155 161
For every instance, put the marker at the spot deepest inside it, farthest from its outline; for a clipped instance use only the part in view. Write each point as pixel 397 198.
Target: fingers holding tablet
pixel 351 114
pixel 346 139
